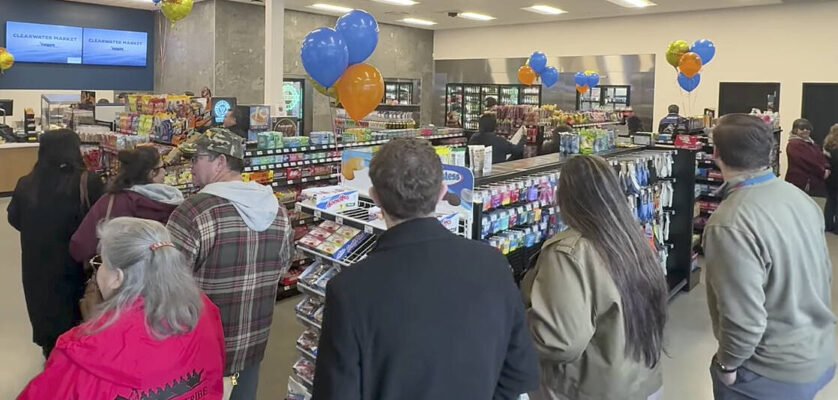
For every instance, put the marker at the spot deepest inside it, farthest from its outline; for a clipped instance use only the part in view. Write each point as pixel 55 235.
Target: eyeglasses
pixel 95 263
pixel 194 159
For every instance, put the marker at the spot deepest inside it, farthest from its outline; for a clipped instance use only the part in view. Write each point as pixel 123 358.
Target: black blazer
pixel 427 316
pixel 500 146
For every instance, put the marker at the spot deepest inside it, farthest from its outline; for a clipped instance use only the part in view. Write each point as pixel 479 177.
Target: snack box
pixel 311 241
pixel 331 198
pixel 340 252
pixel 449 221
pixel 330 226
pixel 321 234
pixel 347 232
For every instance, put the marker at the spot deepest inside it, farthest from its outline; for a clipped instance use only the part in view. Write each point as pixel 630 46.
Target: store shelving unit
pixel 467 101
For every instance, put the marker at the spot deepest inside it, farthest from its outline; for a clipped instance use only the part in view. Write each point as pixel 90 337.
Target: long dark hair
pixel 592 202
pixel 59 166
pixel 135 166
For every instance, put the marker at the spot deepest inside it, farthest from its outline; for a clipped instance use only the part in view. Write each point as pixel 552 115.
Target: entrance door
pixel 820 107
pixel 741 97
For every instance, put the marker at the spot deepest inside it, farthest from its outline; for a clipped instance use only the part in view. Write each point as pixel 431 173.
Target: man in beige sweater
pixel 768 276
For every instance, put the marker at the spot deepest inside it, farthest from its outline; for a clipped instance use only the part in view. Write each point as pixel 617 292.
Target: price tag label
pixel 529 207
pixel 368 229
pixel 339 220
pixel 307 162
pixel 317 214
pixel 298 207
pixel 264 167
pixel 259 153
pixel 304 180
pixel 286 150
pixel 247 169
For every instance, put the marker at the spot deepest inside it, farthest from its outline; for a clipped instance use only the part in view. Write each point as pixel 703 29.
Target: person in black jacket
pixel 427 315
pixel 830 211
pixel 47 206
pixel 502 150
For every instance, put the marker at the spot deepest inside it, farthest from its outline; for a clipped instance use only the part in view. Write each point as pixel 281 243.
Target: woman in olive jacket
pixel 597 296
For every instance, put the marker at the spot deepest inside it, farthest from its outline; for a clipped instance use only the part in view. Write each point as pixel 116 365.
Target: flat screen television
pixel 111 47
pixel 39 43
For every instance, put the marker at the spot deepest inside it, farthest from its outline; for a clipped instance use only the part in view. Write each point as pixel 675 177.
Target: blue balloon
pixel 550 76
pixel 538 62
pixel 689 84
pixel 325 56
pixel 593 79
pixel 360 30
pixel 156 1
pixel 581 79
pixel 705 49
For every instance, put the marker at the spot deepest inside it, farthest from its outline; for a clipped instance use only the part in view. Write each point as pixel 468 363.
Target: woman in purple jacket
pixel 808 168
pixel 136 191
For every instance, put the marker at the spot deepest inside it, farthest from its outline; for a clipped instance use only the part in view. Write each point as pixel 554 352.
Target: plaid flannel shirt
pixel 238 268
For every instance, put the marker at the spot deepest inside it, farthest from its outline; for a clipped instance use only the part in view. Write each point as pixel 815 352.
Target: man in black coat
pixel 428 315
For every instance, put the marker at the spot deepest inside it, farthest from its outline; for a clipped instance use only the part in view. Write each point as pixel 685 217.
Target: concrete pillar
pixel 274 49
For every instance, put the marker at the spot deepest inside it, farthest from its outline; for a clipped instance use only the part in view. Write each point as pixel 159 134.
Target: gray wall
pixel 187 63
pixel 402 52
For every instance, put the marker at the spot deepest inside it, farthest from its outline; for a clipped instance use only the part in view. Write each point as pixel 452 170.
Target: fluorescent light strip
pixel 398 2
pixel 546 10
pixel 330 7
pixel 476 16
pixel 418 21
pixel 633 3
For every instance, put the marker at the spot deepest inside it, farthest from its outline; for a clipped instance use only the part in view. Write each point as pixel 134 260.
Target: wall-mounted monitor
pixel 110 47
pixel 41 43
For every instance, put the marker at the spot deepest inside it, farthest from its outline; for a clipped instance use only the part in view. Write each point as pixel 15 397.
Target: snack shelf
pixel 707 179
pixel 353 257
pixel 308 322
pixel 303 180
pixel 287 150
pixel 592 124
pixel 291 164
pixel 311 291
pixel 301 221
pixel 353 217
pixel 307 383
pixel 307 354
pixel 286 291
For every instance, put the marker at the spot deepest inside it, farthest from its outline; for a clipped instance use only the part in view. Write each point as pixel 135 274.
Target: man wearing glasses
pixel 238 241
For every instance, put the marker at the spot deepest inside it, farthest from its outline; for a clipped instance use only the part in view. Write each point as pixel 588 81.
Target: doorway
pixel 819 107
pixel 741 97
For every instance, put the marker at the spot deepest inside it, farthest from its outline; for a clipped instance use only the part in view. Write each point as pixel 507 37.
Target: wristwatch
pixel 721 366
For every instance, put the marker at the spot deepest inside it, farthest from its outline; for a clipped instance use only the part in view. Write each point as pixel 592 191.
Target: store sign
pixel 41 43
pixel 110 47
pixel 291 95
pixel 460 191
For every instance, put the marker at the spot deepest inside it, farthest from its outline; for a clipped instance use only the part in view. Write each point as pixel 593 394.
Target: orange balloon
pixel 360 90
pixel 690 64
pixel 526 75
pixel 581 89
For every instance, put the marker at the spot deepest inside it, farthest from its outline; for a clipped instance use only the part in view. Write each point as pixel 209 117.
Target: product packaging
pixel 330 198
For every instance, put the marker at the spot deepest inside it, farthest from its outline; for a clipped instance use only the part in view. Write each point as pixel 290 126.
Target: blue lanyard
pixel 754 180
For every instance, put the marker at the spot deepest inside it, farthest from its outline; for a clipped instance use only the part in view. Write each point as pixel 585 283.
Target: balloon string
pixel 162 34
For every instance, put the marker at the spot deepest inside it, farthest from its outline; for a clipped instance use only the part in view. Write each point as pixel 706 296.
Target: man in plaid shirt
pixel 238 241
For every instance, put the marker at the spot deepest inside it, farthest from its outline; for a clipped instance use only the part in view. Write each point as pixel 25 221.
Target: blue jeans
pixel 751 386
pixel 248 382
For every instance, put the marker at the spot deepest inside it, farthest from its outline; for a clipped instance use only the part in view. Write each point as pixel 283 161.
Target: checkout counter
pixel 16 160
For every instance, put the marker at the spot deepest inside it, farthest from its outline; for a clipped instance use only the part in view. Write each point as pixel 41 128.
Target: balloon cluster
pixel 334 60
pixel 586 80
pixel 175 10
pixel 537 67
pixel 688 60
pixel 6 59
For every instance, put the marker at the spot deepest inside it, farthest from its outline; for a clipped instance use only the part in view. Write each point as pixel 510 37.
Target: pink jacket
pixel 123 362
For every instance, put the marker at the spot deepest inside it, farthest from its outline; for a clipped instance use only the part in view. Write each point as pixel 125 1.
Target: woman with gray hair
pixel 155 335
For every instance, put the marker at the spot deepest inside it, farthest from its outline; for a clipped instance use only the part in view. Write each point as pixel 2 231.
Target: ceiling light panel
pixel 633 3
pixel 475 16
pixel 398 2
pixel 330 7
pixel 418 21
pixel 545 10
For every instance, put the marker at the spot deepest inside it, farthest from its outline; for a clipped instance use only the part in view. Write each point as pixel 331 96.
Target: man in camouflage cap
pixel 238 242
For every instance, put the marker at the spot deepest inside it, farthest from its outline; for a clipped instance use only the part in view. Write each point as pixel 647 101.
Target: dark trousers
pixel 830 211
pixel 751 386
pixel 248 382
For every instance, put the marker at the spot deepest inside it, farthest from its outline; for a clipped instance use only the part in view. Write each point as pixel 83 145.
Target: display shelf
pixel 284 182
pixel 353 217
pixel 708 179
pixel 309 384
pixel 302 221
pixel 289 150
pixel 307 354
pixel 287 291
pixel 594 124
pixel 675 285
pixel 308 322
pixel 311 291
pixel 291 164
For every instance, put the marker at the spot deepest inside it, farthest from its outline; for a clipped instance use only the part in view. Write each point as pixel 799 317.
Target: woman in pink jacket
pixel 155 336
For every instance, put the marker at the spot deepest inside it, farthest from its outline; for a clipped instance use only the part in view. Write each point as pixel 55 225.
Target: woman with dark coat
pixel 47 206
pixel 808 168
pixel 830 211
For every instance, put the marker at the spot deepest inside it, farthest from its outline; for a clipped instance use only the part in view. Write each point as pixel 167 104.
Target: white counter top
pixel 18 145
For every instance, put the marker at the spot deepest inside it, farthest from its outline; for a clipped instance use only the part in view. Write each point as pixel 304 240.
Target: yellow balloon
pixel 675 50
pixel 6 59
pixel 589 71
pixel 330 92
pixel 176 10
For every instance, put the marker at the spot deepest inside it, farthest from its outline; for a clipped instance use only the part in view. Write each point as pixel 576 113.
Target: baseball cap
pixel 218 140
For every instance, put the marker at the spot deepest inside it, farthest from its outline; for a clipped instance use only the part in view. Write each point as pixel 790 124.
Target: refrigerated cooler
pixel 604 97
pixel 465 103
pixel 293 92
pixel 397 92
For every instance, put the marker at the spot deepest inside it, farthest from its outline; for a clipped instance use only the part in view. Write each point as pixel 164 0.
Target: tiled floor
pixel 689 344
